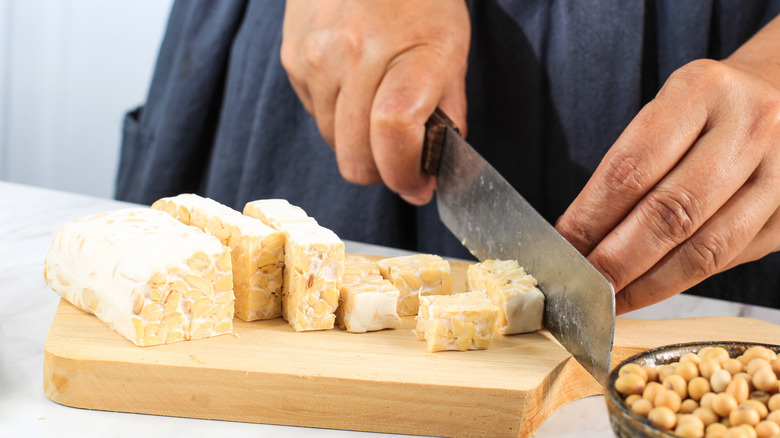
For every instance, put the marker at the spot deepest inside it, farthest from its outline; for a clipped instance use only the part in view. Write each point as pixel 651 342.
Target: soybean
pixel 708 394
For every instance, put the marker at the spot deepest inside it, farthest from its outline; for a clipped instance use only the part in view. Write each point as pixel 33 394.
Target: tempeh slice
pixel 313 264
pixel 257 251
pixel 514 291
pixel 367 301
pixel 464 321
pixel 415 276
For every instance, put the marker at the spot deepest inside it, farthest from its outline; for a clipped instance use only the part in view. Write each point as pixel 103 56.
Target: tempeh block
pixel 464 321
pixel 415 276
pixel 514 291
pixel 313 265
pixel 367 301
pixel 257 251
pixel 146 275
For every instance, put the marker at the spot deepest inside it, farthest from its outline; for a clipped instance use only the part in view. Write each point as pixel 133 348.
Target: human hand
pixel 371 73
pixel 691 188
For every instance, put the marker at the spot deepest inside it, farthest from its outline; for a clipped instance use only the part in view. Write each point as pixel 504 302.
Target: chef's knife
pixel 494 221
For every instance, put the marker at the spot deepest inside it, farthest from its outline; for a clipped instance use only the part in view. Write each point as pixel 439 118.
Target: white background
pixel 69 70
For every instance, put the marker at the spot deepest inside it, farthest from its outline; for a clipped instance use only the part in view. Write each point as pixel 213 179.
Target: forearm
pixel 761 54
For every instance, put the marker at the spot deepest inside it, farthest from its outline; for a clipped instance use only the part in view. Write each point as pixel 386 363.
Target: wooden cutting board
pixel 382 381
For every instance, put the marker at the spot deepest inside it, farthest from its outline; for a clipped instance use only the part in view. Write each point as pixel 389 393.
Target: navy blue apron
pixel 550 86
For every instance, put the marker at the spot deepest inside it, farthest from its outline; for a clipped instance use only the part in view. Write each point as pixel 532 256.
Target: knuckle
pixel 773 117
pixel 357 173
pixel 704 73
pixel 313 52
pixel 571 226
pixel 287 57
pixel 704 256
pixel 765 127
pixel 344 44
pixel 610 268
pixel 392 114
pixel 772 232
pixel 698 78
pixel 628 301
pixel 670 215
pixel 350 39
pixel 446 50
pixel 400 183
pixel 624 173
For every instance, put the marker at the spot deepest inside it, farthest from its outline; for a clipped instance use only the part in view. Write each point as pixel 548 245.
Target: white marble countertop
pixel 28 220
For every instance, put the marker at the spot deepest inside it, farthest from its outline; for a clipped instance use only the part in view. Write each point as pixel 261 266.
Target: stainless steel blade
pixel 495 222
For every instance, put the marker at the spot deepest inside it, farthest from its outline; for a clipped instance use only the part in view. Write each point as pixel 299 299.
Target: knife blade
pixel 493 221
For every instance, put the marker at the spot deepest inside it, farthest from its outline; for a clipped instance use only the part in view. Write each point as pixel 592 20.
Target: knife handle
pixel 435 129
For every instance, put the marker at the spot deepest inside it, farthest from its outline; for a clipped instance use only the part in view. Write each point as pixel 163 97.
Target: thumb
pixel 453 103
pixel 414 84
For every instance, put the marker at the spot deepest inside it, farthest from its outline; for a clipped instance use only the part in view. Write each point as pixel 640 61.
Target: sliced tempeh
pixel 257 251
pixel 313 264
pixel 415 276
pixel 464 321
pixel 514 291
pixel 367 301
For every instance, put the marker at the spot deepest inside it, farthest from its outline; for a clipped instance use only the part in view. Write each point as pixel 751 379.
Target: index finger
pixel 651 145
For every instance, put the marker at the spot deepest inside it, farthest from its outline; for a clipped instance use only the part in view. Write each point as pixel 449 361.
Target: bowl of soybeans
pixel 710 390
